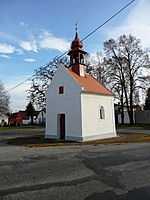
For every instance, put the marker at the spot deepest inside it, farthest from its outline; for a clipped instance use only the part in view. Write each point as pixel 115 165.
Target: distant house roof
pixel 13 116
pixel 90 84
pixel 135 107
pixel 23 114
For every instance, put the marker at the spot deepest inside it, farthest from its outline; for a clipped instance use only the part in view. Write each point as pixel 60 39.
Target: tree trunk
pixel 128 107
pixel 32 122
pixel 122 116
pixel 131 97
pixel 131 108
pixel 122 108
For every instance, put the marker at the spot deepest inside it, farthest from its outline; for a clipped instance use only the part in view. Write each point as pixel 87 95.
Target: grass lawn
pixel 23 127
pixel 134 126
pixel 40 141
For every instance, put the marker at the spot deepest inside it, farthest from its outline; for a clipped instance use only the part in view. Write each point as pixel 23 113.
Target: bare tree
pixel 95 66
pixel 41 81
pixel 147 100
pixel 4 99
pixel 127 60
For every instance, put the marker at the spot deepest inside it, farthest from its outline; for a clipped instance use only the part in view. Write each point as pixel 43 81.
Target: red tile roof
pixel 23 114
pixel 90 84
pixel 13 116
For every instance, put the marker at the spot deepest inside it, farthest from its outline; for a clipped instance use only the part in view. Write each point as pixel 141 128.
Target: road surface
pixel 100 172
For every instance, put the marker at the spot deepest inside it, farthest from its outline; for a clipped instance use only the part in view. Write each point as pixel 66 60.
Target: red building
pixel 12 119
pixel 16 119
pixel 21 117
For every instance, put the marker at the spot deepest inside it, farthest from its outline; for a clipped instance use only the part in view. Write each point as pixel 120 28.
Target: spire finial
pixel 76 24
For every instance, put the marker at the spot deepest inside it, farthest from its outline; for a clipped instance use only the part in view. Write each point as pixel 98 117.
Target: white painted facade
pixel 40 119
pixel 93 127
pixel 68 103
pixel 126 115
pixel 26 121
pixel 3 119
pixel 81 109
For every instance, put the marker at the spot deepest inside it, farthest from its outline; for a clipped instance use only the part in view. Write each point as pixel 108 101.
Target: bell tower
pixel 77 56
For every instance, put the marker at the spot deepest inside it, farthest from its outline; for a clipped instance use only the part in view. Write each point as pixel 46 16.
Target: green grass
pixel 18 127
pixel 40 141
pixel 134 126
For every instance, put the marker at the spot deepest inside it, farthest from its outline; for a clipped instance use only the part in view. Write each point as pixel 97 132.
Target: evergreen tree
pixel 30 111
pixel 147 100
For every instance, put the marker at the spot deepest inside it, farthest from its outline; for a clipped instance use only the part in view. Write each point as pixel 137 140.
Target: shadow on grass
pixel 40 141
pixel 33 141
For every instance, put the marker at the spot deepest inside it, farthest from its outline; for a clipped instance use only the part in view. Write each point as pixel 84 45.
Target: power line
pixel 20 83
pixel 108 20
pixel 81 41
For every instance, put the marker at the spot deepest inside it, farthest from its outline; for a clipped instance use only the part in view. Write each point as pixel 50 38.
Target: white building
pixel 3 119
pixel 40 119
pixel 78 107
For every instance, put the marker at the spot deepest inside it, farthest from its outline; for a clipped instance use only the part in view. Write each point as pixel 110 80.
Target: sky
pixel 33 32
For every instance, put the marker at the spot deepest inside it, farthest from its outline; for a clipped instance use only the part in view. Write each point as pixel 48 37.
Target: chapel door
pixel 62 126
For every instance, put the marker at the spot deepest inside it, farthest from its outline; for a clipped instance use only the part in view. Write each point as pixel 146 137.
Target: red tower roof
pixel 76 43
pixel 90 84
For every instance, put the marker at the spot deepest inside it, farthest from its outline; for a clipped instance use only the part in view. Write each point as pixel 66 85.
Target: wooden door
pixel 62 126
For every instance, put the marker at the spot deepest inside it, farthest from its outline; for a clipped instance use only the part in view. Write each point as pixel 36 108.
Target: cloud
pixel 29 46
pixel 137 23
pixel 8 37
pixel 29 60
pixel 33 41
pixel 23 24
pixel 7 48
pixel 48 41
pixel 19 51
pixel 5 56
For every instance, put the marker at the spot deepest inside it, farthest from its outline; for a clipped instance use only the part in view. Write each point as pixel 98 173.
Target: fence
pixel 142 117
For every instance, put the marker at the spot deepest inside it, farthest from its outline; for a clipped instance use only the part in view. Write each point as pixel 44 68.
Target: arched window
pixel 102 112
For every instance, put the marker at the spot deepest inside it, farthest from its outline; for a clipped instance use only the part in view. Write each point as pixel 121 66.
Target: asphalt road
pixel 102 172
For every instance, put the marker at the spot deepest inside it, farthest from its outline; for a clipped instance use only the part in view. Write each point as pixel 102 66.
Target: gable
pixel 19 116
pixel 63 79
pixel 22 115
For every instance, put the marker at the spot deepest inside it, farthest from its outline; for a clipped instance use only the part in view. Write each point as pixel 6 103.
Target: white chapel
pixel 78 107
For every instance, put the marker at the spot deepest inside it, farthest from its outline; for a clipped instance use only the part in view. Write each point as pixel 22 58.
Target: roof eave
pixel 96 93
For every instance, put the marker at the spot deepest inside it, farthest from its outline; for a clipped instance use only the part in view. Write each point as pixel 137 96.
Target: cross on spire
pixel 76 24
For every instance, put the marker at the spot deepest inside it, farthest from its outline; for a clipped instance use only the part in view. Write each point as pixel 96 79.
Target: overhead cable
pixel 81 41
